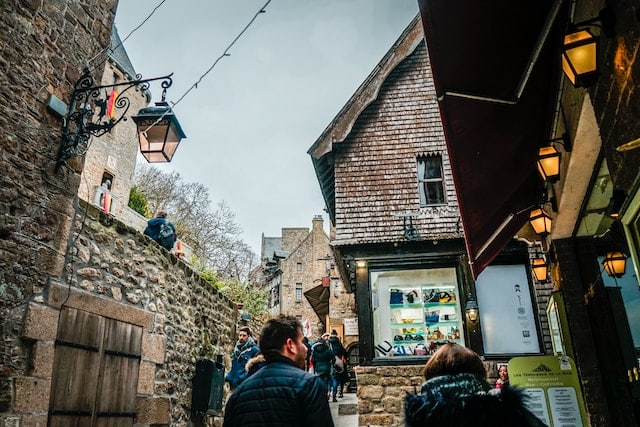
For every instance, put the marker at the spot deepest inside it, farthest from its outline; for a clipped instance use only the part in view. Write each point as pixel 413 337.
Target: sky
pixel 252 118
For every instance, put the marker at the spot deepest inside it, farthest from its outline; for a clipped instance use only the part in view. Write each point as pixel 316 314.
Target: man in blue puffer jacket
pixel 282 393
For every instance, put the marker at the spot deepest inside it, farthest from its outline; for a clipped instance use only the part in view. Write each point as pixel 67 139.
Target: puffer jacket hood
pixel 465 399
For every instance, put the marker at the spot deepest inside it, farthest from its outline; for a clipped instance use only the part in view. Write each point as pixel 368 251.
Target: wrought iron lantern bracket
pixel 90 113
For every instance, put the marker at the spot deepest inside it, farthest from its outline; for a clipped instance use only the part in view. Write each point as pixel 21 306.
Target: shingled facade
pixel 384 171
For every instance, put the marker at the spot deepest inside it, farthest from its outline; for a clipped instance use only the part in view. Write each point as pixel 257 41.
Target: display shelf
pixel 429 314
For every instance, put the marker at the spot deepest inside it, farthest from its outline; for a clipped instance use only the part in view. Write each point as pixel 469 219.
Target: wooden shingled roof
pixel 365 160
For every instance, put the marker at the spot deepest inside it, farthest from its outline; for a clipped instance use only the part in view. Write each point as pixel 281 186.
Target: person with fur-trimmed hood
pixel 245 349
pixel 456 393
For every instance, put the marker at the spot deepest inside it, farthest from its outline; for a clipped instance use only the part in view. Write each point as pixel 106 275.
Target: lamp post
pixel 92 115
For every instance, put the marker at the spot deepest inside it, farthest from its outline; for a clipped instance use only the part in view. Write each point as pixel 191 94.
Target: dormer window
pixel 430 181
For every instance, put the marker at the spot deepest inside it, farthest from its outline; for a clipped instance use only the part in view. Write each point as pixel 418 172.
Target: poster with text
pixel 553 389
pixel 506 312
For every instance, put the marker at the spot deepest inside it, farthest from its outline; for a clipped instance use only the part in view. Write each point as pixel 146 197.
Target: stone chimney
pixel 318 223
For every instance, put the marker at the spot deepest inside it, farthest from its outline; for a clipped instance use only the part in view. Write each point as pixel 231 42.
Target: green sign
pixel 553 389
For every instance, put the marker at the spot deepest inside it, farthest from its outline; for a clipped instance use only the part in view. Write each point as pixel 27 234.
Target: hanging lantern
pixel 615 264
pixel 579 57
pixel 549 163
pixel 540 221
pixel 540 269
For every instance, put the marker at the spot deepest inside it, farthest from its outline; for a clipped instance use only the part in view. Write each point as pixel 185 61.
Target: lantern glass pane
pixel 549 162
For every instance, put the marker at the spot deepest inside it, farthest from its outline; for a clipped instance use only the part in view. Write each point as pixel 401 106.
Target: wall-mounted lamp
pixel 471 309
pixel 539 268
pixel 614 264
pixel 615 203
pixel 540 221
pixel 579 50
pixel 361 263
pixel 549 158
pixel 90 115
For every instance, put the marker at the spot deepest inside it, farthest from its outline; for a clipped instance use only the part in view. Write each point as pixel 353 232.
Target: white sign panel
pixel 351 326
pixel 506 312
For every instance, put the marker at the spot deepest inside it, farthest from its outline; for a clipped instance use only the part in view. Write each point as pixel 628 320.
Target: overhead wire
pixel 224 54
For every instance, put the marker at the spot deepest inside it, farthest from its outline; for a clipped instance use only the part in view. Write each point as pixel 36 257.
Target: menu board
pixel 553 389
pixel 506 312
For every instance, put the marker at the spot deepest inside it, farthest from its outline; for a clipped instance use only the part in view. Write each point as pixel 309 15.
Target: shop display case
pixel 423 317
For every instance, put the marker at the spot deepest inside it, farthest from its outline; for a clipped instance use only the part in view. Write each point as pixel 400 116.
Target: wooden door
pixel 95 372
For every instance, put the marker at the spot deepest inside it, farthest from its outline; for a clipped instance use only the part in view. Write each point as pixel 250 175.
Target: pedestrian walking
pixel 338 367
pixel 321 357
pixel 245 349
pixel 281 393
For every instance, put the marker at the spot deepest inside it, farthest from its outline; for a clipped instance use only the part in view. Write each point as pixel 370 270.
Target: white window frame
pixel 423 181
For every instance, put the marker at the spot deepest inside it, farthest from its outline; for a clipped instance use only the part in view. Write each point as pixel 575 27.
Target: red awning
pixel 496 71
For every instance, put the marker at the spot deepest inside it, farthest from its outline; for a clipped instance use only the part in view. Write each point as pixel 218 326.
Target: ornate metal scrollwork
pixel 90 114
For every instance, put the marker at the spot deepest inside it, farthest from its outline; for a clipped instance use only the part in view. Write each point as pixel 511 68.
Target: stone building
pixel 592 205
pixel 298 271
pixel 110 160
pixel 96 319
pixel 386 175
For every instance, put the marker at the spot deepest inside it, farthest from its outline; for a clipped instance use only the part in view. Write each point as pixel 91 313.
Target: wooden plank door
pixel 95 372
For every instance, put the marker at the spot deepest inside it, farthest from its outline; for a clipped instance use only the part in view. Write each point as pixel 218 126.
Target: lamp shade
pixel 540 269
pixel 159 132
pixel 540 221
pixel 549 163
pixel 579 57
pixel 615 264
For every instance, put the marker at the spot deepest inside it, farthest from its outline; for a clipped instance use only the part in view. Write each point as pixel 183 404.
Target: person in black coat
pixel 456 393
pixel 337 372
pixel 280 393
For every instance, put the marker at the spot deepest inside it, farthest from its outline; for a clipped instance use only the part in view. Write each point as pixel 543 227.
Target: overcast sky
pixel 252 119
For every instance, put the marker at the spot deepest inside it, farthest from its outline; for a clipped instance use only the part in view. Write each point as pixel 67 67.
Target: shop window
pixel 628 287
pixel 506 311
pixel 415 311
pixel 430 181
pixel 629 281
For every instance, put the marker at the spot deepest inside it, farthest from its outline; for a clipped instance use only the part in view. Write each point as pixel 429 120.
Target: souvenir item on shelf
pixel 432 296
pixel 411 296
pixel 432 316
pixel 420 350
pixel 396 296
pixel 446 297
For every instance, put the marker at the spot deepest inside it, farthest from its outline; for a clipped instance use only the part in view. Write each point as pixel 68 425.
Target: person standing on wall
pixel 161 230
pixel 281 393
pixel 245 349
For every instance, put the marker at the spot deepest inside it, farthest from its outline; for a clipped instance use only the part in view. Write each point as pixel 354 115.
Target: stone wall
pixel 114 271
pixel 381 391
